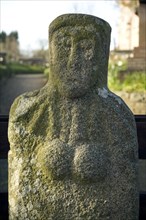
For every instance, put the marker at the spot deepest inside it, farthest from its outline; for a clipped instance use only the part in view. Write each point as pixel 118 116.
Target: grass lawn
pixel 16 68
pixel 119 79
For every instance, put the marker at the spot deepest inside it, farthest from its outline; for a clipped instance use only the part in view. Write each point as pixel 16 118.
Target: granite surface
pixel 73 152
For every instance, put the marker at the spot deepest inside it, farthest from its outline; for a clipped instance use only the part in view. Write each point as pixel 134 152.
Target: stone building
pixel 128 28
pixel 138 61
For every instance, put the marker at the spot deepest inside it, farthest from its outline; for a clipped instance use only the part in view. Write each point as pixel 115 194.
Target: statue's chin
pixel 72 91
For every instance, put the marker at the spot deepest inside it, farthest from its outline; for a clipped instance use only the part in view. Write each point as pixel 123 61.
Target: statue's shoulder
pixel 27 103
pixel 119 102
pixel 123 111
pixel 18 114
pixel 116 105
pixel 23 112
pixel 22 104
pixel 116 100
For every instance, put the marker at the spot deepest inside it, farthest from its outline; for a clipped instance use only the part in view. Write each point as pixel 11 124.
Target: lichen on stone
pixel 103 92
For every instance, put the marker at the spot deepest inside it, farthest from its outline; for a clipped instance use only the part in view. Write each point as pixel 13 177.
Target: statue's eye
pixel 68 42
pixel 64 42
pixel 86 44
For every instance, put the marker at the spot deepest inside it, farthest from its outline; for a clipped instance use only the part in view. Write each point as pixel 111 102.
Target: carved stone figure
pixel 73 146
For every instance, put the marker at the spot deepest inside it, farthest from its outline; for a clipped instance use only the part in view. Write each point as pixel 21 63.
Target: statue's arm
pixel 17 132
pixel 13 126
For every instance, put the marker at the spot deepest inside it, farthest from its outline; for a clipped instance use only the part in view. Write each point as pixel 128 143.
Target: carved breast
pixel 55 159
pixel 90 162
pixel 85 162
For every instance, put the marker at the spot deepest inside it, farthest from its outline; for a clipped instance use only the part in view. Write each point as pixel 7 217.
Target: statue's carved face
pixel 73 59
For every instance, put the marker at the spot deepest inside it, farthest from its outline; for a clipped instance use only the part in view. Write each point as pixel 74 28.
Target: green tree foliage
pixel 13 35
pixel 3 36
pixel 10 45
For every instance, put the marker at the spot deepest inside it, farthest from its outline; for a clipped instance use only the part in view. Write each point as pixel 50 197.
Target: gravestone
pixel 73 144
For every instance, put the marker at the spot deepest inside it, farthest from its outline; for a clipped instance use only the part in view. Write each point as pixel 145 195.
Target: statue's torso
pixel 78 150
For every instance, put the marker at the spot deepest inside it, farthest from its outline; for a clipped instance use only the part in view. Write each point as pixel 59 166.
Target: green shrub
pixel 119 79
pixel 16 68
pixel 135 81
pixel 5 71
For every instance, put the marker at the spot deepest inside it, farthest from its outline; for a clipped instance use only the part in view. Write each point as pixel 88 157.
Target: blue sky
pixel 31 18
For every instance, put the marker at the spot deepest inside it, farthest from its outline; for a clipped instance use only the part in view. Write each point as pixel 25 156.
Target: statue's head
pixel 79 51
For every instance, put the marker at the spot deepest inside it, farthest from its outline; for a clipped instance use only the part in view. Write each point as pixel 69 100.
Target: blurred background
pixel 24 46
pixel 24 57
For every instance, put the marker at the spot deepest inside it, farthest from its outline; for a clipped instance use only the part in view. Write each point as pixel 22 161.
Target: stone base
pixel 140 52
pixel 138 62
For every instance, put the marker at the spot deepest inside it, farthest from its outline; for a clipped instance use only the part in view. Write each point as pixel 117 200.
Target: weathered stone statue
pixel 73 143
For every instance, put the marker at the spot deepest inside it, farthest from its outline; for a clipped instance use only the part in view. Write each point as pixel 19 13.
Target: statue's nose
pixel 74 60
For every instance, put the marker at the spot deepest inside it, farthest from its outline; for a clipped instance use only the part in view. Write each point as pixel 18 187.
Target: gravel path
pixel 17 85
